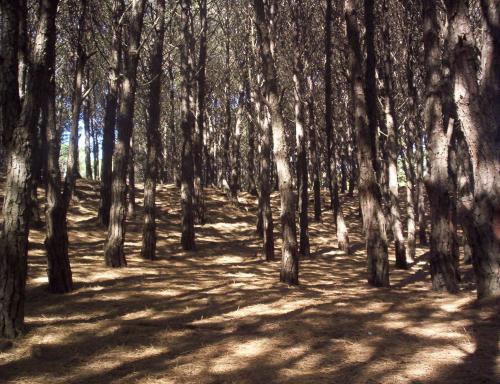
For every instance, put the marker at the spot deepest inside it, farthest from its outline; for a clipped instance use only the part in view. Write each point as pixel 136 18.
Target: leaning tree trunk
pixel 153 138
pixel 443 272
pixel 369 192
pixel 478 113
pixel 289 260
pixel 113 249
pixel 188 120
pixel 108 135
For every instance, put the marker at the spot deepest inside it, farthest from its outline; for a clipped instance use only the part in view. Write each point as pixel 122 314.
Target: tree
pixel 289 260
pixel 369 192
pixel 188 121
pixel 113 249
pixel 153 139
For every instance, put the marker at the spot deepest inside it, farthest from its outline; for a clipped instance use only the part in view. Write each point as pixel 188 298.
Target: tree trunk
pixel 188 120
pixel 200 120
pixel 87 115
pixel 234 181
pixel 108 135
pixel 369 192
pixel 443 273
pixel 300 131
pixel 131 179
pixel 113 249
pixel 72 168
pixel 289 261
pixel 153 138
pixel 480 124
pixel 314 152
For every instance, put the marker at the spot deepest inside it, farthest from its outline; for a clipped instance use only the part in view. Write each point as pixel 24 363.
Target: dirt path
pixel 219 315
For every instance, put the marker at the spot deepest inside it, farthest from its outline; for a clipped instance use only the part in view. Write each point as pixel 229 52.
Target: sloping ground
pixel 219 315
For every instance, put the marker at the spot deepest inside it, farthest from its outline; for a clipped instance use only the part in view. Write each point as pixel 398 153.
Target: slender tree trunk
pixel 290 260
pixel 87 116
pixel 188 120
pixel 251 186
pixel 131 179
pixel 72 168
pixel 391 149
pixel 113 249
pixel 234 181
pixel 443 273
pixel 108 135
pixel 200 119
pixel 314 152
pixel 480 120
pixel 153 138
pixel 56 238
pixel 300 131
pixel 369 192
pixel 95 148
pixel 265 188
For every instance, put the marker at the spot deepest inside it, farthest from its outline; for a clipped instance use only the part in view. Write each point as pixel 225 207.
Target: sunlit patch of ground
pixel 219 315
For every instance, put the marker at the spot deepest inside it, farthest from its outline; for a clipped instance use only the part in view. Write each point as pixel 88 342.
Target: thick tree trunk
pixel 113 249
pixel 265 187
pixel 369 192
pixel 108 135
pixel 188 121
pixel 480 124
pixel 153 138
pixel 442 266
pixel 290 260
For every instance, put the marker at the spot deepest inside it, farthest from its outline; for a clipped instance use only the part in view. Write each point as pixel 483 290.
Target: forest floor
pixel 219 315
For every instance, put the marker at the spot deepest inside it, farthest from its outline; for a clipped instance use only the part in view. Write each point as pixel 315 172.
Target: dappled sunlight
pixel 219 314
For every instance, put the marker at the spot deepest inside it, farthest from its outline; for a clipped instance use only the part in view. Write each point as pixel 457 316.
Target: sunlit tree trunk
pixel 289 261
pixel 113 249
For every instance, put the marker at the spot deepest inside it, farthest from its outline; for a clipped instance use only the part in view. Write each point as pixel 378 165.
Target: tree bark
pixel 153 138
pixel 188 120
pixel 369 192
pixel 313 150
pixel 87 115
pixel 443 273
pixel 113 249
pixel 289 261
pixel 108 135
pixel 480 124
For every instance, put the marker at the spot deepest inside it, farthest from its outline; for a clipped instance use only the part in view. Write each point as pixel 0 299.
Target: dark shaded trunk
pixel 480 119
pixel 131 180
pixel 187 123
pixel 113 249
pixel 108 134
pixel 200 118
pixel 289 260
pixel 87 115
pixel 313 151
pixel 95 148
pixel 234 180
pixel 369 192
pixel 153 138
pixel 442 265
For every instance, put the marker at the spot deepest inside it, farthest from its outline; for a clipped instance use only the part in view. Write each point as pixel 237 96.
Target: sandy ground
pixel 219 315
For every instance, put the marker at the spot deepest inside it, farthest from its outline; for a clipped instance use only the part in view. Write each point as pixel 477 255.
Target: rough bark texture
pixel 443 273
pixel 113 249
pixel 300 129
pixel 108 135
pixel 153 138
pixel 188 121
pixel 369 192
pixel 289 260
pixel 480 124
pixel 200 118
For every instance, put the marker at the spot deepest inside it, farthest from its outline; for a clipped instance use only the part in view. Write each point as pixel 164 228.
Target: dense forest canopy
pixel 393 103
